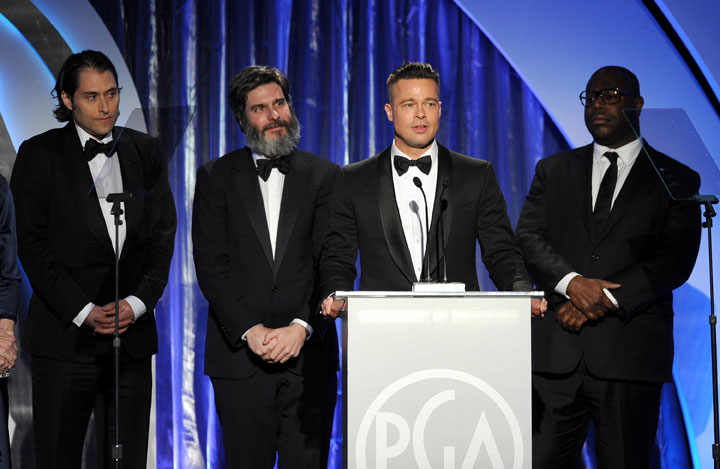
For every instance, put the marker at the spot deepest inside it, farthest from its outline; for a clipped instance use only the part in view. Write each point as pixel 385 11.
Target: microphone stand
pixel 427 284
pixel 427 279
pixel 441 232
pixel 116 199
pixel 708 201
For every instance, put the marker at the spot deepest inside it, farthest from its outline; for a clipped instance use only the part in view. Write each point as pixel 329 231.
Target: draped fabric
pixel 337 55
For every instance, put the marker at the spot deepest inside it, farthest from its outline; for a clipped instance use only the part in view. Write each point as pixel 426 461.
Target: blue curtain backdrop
pixel 337 54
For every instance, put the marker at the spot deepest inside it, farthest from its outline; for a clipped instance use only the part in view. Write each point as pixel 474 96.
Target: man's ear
pixel 389 111
pixel 638 103
pixel 66 100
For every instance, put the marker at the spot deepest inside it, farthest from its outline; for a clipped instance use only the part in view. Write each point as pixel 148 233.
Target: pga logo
pixel 439 418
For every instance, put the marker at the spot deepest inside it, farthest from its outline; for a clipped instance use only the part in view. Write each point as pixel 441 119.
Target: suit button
pixel 274 289
pixel 595 257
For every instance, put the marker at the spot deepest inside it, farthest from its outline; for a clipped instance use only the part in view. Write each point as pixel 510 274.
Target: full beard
pixel 274 147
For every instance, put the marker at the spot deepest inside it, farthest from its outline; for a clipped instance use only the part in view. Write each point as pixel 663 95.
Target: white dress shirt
pixel 272 191
pixel 627 155
pixel 411 204
pixel 107 179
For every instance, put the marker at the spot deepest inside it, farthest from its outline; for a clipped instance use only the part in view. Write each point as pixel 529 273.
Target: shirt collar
pixel 432 151
pixel 257 156
pixel 627 153
pixel 84 136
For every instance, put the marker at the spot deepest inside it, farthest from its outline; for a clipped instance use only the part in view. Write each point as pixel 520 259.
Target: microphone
pixel 415 208
pixel 443 207
pixel 418 183
pixel 118 197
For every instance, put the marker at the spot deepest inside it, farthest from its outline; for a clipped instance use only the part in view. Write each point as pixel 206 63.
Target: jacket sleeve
pixel 211 252
pixel 9 271
pixel 163 219
pixel 500 252
pixel 31 185
pixel 340 250
pixel 545 263
pixel 666 262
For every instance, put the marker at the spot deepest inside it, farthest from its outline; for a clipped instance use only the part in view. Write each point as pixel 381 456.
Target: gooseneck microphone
pixel 441 230
pixel 415 209
pixel 418 183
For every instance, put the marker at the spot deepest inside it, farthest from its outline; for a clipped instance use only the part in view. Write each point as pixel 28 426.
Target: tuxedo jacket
pixel 468 207
pixel 65 248
pixel 242 281
pixel 648 245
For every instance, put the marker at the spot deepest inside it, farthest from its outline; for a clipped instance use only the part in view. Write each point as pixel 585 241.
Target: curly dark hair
pixel 247 80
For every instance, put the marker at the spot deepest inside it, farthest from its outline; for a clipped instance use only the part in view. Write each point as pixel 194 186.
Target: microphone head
pixel 414 206
pixel 417 181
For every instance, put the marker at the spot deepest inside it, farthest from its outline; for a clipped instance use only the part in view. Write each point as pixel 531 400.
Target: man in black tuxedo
pixel 377 208
pixel 606 242
pixel 9 290
pixel 66 242
pixel 259 218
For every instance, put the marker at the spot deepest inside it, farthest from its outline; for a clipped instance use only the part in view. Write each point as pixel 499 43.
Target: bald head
pixel 627 78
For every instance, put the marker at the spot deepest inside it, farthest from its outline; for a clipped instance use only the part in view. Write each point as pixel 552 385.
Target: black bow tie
pixel 93 147
pixel 424 163
pixel 265 165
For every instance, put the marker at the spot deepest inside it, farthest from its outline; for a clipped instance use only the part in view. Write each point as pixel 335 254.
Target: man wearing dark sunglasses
pixel 606 242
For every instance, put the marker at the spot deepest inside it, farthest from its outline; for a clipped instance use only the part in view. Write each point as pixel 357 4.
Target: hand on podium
pixel 538 307
pixel 332 308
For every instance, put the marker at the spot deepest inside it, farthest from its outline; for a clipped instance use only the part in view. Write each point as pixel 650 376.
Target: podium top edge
pixel 416 294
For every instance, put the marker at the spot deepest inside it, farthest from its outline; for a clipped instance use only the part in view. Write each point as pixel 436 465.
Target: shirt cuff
pixel 612 298
pixel 307 326
pixel 244 336
pixel 83 314
pixel 137 306
pixel 562 285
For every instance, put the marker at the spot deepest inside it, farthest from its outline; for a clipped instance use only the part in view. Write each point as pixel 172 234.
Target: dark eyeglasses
pixel 608 95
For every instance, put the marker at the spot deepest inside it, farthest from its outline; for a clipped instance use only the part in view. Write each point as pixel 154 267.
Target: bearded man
pixel 259 219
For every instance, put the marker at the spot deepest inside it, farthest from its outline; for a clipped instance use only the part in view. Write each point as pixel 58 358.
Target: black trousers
pixel 276 414
pixel 64 394
pixel 624 416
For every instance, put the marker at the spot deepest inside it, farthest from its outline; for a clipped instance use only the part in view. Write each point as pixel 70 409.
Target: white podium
pixel 436 380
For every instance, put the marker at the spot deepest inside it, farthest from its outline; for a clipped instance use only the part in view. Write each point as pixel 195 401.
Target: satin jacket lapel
pixel 443 189
pixel 245 180
pixel 390 218
pixel 642 173
pixel 293 196
pixel 79 181
pixel 581 180
pixel 132 178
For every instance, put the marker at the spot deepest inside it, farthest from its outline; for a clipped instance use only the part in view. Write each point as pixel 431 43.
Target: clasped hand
pixel 8 345
pixel 276 345
pixel 588 301
pixel 102 318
